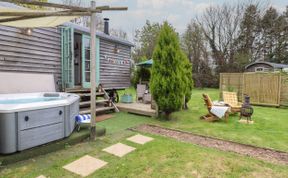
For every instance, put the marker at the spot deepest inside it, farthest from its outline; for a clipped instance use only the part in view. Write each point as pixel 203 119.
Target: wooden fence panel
pixel 263 88
pixel 284 90
pixel 232 82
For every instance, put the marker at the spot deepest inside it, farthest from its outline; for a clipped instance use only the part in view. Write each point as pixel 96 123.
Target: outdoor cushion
pixel 231 99
pixel 219 111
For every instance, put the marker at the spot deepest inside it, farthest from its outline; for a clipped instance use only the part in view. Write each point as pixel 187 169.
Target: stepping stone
pixel 244 121
pixel 85 165
pixel 41 176
pixel 119 149
pixel 140 139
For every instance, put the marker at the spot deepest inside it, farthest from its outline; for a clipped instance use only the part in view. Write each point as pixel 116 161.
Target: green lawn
pixel 159 158
pixel 168 157
pixel 269 130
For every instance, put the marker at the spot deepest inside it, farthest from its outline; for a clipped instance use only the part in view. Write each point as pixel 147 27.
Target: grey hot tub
pixel 28 120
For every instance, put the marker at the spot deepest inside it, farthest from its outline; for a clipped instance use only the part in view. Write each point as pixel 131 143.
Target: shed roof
pixel 99 34
pixel 274 65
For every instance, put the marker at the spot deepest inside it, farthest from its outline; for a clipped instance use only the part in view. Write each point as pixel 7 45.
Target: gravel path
pixel 248 150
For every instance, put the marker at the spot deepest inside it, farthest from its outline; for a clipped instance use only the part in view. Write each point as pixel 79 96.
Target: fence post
pixel 220 86
pixel 279 88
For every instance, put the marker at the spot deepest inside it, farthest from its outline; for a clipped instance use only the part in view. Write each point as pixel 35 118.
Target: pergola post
pixel 93 71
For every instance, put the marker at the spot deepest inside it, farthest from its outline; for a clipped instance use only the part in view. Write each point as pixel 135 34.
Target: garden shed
pixel 263 66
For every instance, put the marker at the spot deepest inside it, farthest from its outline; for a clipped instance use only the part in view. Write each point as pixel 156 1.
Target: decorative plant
pixel 167 84
pixel 187 78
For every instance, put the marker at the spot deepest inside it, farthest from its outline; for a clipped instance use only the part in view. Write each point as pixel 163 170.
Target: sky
pixel 178 12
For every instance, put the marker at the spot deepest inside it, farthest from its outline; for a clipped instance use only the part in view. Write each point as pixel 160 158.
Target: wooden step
pixel 77 90
pixel 88 111
pixel 89 94
pixel 87 103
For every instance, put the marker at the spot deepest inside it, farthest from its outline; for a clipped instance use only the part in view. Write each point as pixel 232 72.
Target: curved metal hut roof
pixel 274 65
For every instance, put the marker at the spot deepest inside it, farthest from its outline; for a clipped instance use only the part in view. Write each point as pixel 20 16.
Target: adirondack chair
pixel 231 99
pixel 140 92
pixel 210 117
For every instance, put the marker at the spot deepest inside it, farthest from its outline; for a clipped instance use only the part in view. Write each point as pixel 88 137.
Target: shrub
pixel 141 73
pixel 166 84
pixel 187 78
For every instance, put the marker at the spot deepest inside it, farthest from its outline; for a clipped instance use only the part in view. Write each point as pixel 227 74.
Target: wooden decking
pixel 137 108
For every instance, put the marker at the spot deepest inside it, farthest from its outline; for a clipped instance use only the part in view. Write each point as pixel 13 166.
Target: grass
pixel 73 139
pixel 161 157
pixel 269 129
pixel 122 121
pixel 168 157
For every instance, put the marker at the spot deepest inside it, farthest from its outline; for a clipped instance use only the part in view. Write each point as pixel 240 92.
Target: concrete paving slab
pixel 85 165
pixel 140 139
pixel 41 176
pixel 119 149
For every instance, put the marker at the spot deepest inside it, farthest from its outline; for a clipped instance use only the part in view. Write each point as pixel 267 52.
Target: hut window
pixel 260 69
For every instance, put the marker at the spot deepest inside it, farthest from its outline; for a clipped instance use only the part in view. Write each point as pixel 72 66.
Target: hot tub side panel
pixel 8 133
pixel 38 127
pixel 71 112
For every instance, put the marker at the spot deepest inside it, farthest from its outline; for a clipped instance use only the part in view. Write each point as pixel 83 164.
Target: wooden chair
pixel 210 117
pixel 230 98
pixel 140 92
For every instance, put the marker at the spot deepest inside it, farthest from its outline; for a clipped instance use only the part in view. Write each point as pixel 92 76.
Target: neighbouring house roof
pixel 99 34
pixel 274 65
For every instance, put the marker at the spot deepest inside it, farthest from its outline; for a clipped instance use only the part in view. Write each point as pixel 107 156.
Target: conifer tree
pixel 167 84
pixel 187 78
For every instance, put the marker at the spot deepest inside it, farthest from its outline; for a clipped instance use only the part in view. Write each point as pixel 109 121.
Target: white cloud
pixel 156 4
pixel 279 8
pixel 177 12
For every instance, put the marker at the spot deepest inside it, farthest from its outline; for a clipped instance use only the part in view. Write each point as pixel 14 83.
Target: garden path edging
pixel 265 154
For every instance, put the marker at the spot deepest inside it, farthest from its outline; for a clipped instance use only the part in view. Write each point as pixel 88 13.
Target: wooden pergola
pixel 67 10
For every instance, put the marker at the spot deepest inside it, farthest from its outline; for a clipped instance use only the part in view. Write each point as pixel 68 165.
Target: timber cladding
pixel 39 52
pixel 114 64
pixel 270 89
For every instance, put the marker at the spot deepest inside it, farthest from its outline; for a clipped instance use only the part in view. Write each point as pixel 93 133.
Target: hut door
pixel 67 57
pixel 86 61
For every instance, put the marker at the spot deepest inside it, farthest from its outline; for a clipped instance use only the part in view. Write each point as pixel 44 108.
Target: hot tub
pixel 31 119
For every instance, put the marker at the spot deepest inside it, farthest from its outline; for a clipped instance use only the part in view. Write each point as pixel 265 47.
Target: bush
pixel 187 78
pixel 141 73
pixel 167 84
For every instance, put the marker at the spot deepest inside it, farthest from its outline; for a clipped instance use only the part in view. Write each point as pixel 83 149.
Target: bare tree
pixel 195 45
pixel 119 33
pixel 221 27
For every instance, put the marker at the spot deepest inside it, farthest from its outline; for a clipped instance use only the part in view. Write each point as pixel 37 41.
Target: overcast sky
pixel 177 12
